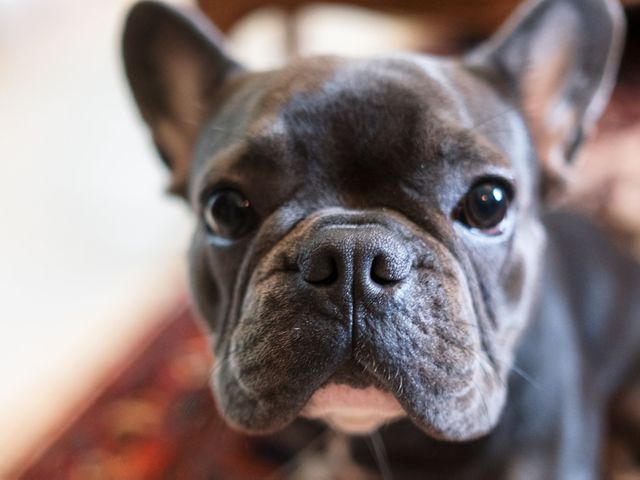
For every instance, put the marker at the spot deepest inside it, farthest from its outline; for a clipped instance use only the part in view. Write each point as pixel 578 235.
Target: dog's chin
pixel 355 411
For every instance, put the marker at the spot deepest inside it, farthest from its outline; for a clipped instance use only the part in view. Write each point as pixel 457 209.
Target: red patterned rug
pixel 155 420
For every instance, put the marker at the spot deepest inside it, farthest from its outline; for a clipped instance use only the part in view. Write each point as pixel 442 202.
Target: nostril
pixel 389 269
pixel 358 257
pixel 319 269
pixel 325 276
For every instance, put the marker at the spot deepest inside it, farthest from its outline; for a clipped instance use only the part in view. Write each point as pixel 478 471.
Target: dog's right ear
pixel 175 66
pixel 559 59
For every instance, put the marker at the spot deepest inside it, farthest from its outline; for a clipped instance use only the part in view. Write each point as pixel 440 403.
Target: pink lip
pixel 353 410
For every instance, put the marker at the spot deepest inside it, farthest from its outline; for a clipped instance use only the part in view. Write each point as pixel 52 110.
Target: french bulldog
pixel 377 246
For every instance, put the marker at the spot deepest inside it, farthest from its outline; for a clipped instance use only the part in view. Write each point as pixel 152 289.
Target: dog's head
pixel 368 239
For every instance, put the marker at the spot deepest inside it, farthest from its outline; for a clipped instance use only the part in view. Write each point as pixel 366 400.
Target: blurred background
pixel 92 271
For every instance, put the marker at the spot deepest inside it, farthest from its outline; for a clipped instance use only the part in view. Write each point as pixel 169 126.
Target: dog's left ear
pixel 176 67
pixel 559 59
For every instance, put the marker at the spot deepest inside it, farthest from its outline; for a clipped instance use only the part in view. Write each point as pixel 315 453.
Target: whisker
pixel 492 118
pixel 485 407
pixel 285 470
pixel 510 365
pixel 219 129
pixel 525 376
pixel 218 364
pixel 483 362
pixel 486 365
pixel 521 373
pixel 377 448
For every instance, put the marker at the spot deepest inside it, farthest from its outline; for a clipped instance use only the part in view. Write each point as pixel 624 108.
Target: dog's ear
pixel 175 66
pixel 559 59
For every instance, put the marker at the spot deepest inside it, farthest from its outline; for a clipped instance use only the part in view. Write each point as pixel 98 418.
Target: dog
pixel 377 245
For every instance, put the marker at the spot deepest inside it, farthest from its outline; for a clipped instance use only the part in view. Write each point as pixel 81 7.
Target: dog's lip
pixel 353 410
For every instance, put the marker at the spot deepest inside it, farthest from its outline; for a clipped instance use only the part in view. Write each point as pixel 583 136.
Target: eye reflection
pixel 229 216
pixel 485 207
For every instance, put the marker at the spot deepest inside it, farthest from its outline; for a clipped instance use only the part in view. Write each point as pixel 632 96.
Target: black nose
pixel 364 257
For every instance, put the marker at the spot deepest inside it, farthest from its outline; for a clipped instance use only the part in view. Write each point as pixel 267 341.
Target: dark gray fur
pixel 364 161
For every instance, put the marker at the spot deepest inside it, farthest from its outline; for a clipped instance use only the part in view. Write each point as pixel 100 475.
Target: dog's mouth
pixel 460 403
pixel 355 411
pixel 353 401
pixel 399 367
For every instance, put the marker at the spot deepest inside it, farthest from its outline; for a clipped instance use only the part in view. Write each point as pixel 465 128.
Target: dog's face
pixel 368 240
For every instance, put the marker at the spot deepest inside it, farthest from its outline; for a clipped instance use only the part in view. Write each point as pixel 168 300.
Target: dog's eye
pixel 485 207
pixel 229 215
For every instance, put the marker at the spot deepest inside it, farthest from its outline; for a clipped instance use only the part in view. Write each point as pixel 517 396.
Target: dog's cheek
pixel 208 275
pixel 284 336
pixel 426 349
pixel 452 392
pixel 204 291
pixel 280 352
pixel 425 332
pixel 520 284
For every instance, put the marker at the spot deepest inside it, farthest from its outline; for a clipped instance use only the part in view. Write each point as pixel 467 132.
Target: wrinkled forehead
pixel 389 94
pixel 405 105
pixel 397 114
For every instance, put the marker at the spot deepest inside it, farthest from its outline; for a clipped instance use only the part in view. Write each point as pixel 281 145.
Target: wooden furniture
pixel 477 17
pixel 474 18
